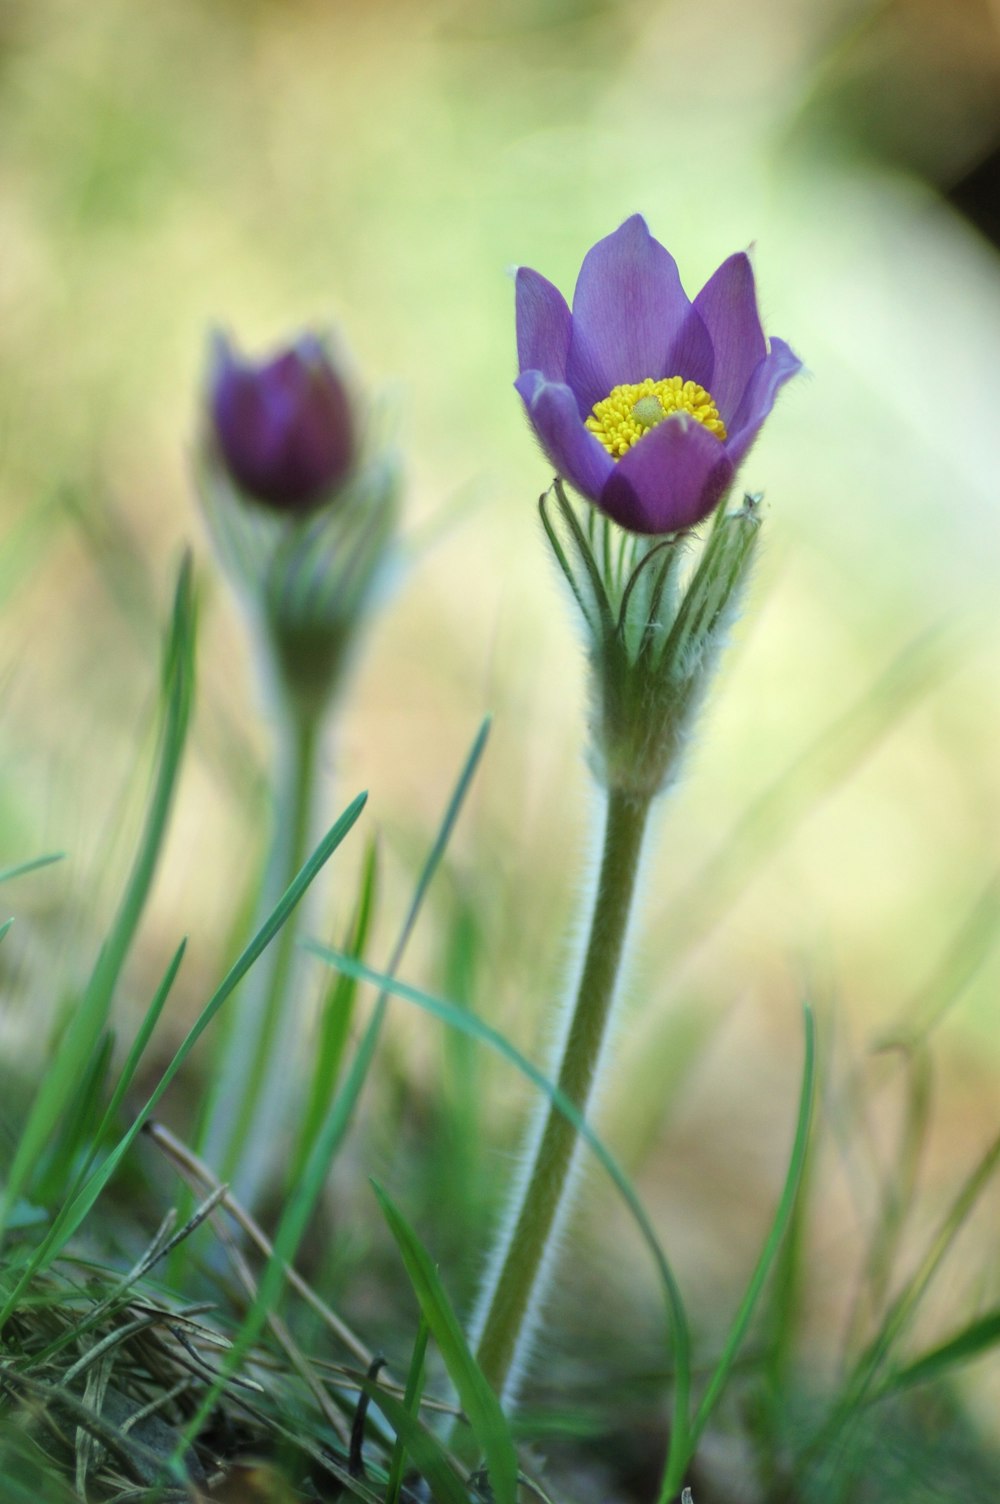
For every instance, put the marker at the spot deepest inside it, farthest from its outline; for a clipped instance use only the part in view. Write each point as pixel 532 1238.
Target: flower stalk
pixel 511 1303
pixel 646 403
pixel 255 1065
pixel 300 494
pixel 655 620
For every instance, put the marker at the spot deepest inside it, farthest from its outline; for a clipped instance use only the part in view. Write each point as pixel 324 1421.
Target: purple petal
pixel 691 355
pixel 627 310
pixel 577 456
pixel 284 427
pixel 544 323
pixel 769 376
pixel 672 478
pixel 728 305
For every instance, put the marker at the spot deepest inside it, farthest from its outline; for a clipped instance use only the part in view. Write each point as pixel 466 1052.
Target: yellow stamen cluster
pixel 628 412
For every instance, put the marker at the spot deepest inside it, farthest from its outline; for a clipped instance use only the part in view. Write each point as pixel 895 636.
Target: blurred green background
pixel 272 164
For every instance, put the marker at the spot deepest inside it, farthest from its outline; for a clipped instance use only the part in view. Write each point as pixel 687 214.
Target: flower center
pixel 630 411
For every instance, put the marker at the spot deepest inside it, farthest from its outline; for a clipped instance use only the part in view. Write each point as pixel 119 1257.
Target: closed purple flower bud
pixel 284 427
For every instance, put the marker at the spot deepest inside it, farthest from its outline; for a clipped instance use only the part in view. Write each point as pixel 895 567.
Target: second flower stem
pixel 511 1299
pixel 252 1073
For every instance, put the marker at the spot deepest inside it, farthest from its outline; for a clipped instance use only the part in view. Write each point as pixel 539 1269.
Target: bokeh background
pixel 272 164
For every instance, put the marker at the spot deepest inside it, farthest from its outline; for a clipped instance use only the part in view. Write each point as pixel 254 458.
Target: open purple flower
pixel 646 402
pixel 284 426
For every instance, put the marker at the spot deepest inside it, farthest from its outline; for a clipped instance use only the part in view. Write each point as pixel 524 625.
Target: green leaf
pixel 481 1406
pixel 585 554
pixel 710 599
pixel 860 1387
pixel 468 1023
pixel 782 1216
pixel 424 1450
pixel 140 1042
pixel 980 1336
pixel 73 1212
pixel 7 873
pixel 709 894
pixel 338 1114
pixel 336 1013
pixel 83 1032
pixel 411 1404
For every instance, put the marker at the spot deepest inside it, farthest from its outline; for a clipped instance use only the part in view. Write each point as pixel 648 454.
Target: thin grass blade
pixel 481 1406
pixel 858 1390
pixel 468 1023
pixel 84 1029
pixel 411 1404
pixel 772 1245
pixel 425 1451
pixel 979 1337
pixel 335 1021
pixel 142 1038
pixel 305 1193
pixel 74 1211
pixel 22 868
pixel 347 1098
pixel 841 746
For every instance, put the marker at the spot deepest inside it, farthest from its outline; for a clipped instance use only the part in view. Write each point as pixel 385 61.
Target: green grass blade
pixel 971 947
pixel 772 1245
pixel 335 1021
pixel 899 1187
pixel 481 1406
pixel 74 1211
pixel 468 1023
pixel 83 1032
pixel 858 1389
pixel 142 1038
pixel 338 1116
pixel 461 1101
pixel 242 965
pixel 411 1404
pixel 76 1125
pixel 908 1299
pixel 443 836
pixel 425 1451
pixel 7 873
pixel 5 927
pixel 770 819
pixel 980 1336
pixel 351 1090
pixel 780 1325
pixel 291 1228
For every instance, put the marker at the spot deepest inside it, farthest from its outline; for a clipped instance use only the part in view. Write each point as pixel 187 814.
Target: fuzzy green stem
pixel 254 1071
pixel 511 1300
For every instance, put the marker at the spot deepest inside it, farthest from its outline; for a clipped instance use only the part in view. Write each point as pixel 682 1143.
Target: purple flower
pixel 284 427
pixel 646 402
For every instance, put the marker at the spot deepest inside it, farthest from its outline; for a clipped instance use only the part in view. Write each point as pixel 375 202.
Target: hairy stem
pixel 255 1073
pixel 516 1286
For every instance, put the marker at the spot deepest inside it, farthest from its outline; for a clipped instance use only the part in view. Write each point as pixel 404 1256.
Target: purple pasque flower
pixel 284 426
pixel 646 402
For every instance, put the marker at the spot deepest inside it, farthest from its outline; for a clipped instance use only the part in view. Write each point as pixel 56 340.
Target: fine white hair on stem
pixel 562 1019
